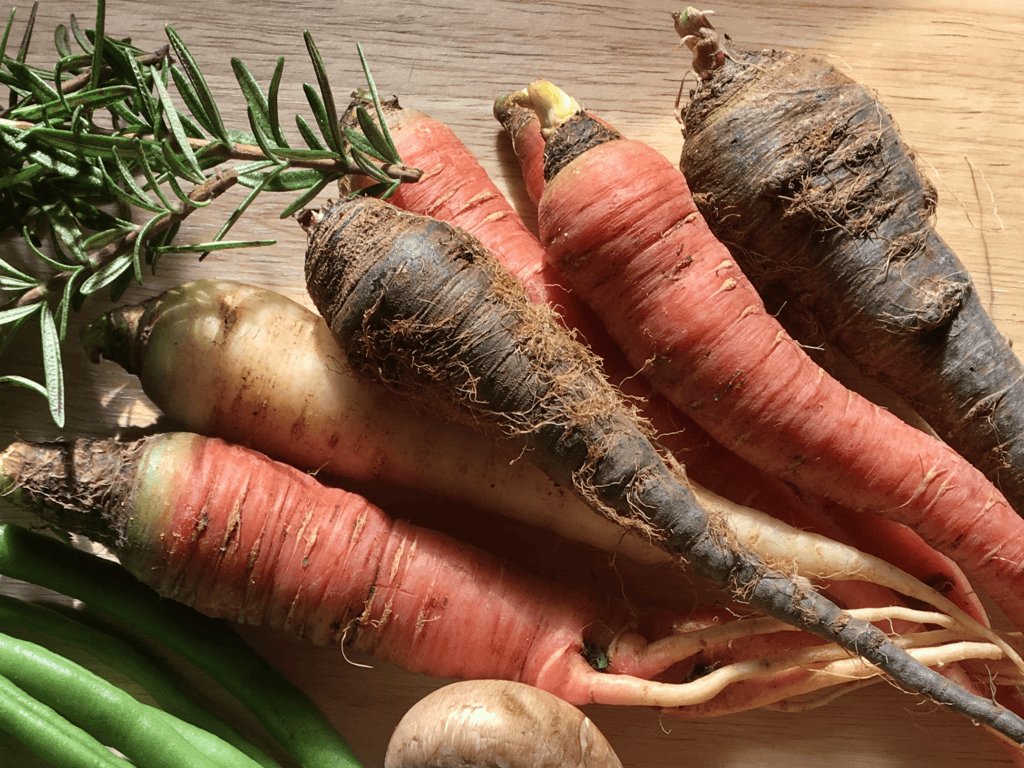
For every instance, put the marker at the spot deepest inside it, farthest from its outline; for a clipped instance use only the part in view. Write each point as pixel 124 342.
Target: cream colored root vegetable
pixel 496 723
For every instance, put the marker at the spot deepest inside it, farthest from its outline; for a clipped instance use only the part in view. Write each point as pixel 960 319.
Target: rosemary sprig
pixel 102 130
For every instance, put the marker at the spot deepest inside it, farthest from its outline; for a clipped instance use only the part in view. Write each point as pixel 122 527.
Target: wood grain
pixel 951 73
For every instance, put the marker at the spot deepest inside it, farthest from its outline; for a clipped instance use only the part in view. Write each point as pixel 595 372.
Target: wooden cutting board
pixel 952 74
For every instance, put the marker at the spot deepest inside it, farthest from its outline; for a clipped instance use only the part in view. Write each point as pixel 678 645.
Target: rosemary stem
pixel 247 152
pixel 81 80
pixel 212 188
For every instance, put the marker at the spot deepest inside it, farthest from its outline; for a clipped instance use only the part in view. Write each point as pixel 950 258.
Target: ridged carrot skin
pixel 457 189
pixel 238 536
pixel 422 306
pixel 892 541
pixel 621 226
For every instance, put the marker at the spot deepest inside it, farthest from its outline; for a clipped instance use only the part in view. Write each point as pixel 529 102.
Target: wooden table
pixel 952 73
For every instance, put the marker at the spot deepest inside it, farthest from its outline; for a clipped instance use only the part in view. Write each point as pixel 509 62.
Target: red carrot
pixel 624 231
pixel 456 188
pixel 204 357
pixel 424 308
pixel 523 128
pixel 240 537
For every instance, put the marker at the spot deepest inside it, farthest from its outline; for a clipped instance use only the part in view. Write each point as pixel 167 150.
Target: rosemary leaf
pixel 52 263
pixel 21 381
pixel 7 34
pixel 106 274
pixel 291 180
pixel 192 101
pixel 67 300
pixel 66 230
pixel 393 154
pixel 332 129
pixel 258 106
pixel 13 284
pixel 97 51
pixel 13 272
pixel 139 246
pixel 86 145
pixel 19 177
pixel 62 41
pixel 178 165
pixel 272 106
pixel 259 134
pixel 306 196
pixel 369 168
pixel 151 181
pixel 378 145
pixel 182 195
pixel 128 68
pixel 106 237
pixel 32 83
pixel 16 313
pixel 309 135
pixel 97 99
pixel 26 38
pixel 321 116
pixel 190 165
pixel 382 189
pixel 132 193
pixel 236 214
pixel 80 37
pixel 215 245
pixel 198 82
pixel 53 370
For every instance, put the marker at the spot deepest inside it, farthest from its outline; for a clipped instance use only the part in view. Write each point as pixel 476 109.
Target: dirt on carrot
pixel 621 225
pixel 803 174
pixel 237 536
pixel 422 306
pixel 456 188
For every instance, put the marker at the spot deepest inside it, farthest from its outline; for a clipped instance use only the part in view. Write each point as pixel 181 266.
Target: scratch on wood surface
pixel 991 298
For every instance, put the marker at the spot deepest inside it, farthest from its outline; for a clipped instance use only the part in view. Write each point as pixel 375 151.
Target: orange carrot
pixel 240 537
pixel 620 224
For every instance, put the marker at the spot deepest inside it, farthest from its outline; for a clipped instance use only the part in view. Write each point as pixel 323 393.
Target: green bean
pixel 221 752
pixel 210 645
pixel 49 735
pixel 117 654
pixel 92 703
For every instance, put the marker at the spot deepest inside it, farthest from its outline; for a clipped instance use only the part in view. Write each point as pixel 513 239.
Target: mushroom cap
pixel 497 724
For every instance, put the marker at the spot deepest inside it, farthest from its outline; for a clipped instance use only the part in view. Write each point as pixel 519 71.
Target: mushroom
pixel 497 724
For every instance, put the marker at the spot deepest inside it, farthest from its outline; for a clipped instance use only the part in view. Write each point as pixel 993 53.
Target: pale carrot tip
pixel 552 105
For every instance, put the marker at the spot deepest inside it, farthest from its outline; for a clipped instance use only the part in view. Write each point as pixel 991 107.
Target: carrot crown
pixel 552 105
